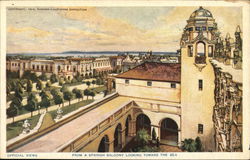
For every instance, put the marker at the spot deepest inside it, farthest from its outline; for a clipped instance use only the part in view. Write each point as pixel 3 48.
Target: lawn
pixel 67 109
pixel 73 84
pixel 99 89
pixel 14 129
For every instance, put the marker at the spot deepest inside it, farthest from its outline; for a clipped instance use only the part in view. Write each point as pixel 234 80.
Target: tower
pixel 197 77
pixel 237 55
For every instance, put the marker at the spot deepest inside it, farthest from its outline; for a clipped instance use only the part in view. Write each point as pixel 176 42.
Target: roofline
pixel 147 79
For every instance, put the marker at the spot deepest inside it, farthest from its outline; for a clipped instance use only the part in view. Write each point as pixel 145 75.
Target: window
pixel 197 28
pixel 210 51
pixel 33 66
pixel 190 51
pixel 190 29
pixel 201 49
pixel 200 84
pixel 173 85
pixel 210 28
pixel 126 81
pixel 200 128
pixel 149 83
pixel 204 28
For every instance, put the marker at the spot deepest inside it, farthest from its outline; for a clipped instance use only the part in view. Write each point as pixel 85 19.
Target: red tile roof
pixel 170 72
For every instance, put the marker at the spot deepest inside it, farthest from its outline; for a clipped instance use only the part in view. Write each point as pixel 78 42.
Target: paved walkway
pixel 167 148
pixel 55 139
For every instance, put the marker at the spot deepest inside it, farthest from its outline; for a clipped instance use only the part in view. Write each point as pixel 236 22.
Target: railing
pixel 35 135
pixel 200 60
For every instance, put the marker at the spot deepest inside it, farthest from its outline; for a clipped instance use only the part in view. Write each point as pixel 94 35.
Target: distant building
pixel 66 67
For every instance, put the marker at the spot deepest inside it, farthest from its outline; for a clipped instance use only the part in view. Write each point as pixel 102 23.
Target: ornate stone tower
pixel 197 77
pixel 238 49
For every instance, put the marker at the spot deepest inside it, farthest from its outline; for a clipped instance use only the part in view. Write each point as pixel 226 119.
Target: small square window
pixel 149 83
pixel 197 28
pixel 173 85
pixel 210 28
pixel 126 81
pixel 200 128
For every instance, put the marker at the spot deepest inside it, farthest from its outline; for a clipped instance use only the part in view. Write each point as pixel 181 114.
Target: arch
pixel 143 122
pixel 200 49
pixel 118 138
pixel 104 144
pixel 169 131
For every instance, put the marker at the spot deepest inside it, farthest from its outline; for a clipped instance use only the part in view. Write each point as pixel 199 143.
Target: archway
pixel 128 129
pixel 104 144
pixel 201 48
pixel 169 132
pixel 118 138
pixel 143 122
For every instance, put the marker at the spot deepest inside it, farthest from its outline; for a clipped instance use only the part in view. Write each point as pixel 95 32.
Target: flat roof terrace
pixel 57 138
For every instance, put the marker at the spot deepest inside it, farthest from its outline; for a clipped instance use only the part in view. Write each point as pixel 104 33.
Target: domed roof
pixel 201 13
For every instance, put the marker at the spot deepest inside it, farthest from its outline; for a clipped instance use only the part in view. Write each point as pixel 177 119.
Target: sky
pixel 54 30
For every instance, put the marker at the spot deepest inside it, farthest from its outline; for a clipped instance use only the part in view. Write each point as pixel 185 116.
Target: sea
pixel 88 54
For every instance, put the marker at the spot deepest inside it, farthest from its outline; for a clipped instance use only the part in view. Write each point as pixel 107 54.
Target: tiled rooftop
pixel 170 72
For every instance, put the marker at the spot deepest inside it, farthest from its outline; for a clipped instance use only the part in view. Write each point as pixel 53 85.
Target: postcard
pixel 125 80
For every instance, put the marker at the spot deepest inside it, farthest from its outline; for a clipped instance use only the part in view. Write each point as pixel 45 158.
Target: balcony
pixel 200 60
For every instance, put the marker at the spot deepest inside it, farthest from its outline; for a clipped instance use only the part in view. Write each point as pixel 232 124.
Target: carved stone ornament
pixel 200 66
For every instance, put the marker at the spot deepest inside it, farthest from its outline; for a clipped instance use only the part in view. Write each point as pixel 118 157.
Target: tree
pixel 53 78
pixel 18 95
pixel 39 85
pixel 42 93
pixel 73 80
pixel 28 75
pixel 61 82
pixel 53 92
pixel 98 81
pixel 198 144
pixel 78 94
pixel 58 99
pixel 67 96
pixel 29 86
pixel 43 77
pixel 189 145
pixel 64 88
pixel 32 103
pixel 153 134
pixel 46 101
pixel 12 111
pixel 93 82
pixel 86 92
pixel 74 90
pixel 48 84
pixel 142 138
pixel 16 102
pixel 8 89
pixel 92 94
pixel 88 83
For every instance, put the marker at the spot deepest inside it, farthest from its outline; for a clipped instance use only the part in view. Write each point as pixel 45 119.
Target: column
pixel 179 137
pixel 123 137
pixel 111 145
pixel 132 128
